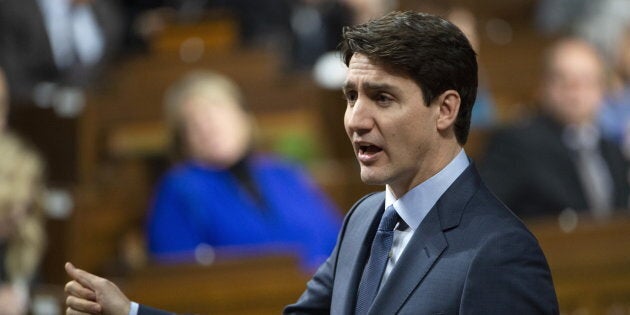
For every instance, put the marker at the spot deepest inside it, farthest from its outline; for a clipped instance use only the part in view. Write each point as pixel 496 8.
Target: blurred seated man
pixel 222 194
pixel 51 49
pixel 558 160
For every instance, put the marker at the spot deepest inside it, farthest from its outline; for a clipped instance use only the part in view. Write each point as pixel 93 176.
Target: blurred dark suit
pixel 25 50
pixel 531 169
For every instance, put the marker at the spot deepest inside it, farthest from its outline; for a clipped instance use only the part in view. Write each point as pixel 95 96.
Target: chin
pixel 372 179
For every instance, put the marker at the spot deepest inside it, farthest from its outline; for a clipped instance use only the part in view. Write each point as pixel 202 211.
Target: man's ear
pixel 448 103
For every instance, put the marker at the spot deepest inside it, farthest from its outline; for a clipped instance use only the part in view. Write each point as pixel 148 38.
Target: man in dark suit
pixel 64 42
pixel 436 241
pixel 51 50
pixel 557 160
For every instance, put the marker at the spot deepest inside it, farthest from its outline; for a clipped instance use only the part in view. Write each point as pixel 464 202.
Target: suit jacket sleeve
pixel 318 295
pixel 145 310
pixel 509 275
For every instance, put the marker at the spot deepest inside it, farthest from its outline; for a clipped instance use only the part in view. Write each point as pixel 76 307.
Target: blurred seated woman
pixel 222 195
pixel 21 222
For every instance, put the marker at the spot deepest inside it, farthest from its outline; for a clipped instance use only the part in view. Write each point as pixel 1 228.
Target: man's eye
pixel 383 98
pixel 351 96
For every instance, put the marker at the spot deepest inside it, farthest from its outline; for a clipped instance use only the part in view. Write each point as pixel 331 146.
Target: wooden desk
pixel 590 265
pixel 247 286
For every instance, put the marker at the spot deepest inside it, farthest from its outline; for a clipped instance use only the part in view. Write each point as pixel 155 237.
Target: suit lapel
pixel 424 248
pixel 354 250
pixel 426 245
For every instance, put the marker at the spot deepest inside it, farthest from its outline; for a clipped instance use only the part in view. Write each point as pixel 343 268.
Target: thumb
pixel 86 279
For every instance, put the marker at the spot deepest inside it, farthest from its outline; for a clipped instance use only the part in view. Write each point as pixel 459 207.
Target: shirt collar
pixel 413 206
pixel 585 136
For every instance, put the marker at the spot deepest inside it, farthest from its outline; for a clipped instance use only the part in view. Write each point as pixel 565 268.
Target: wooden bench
pixel 261 285
pixel 590 264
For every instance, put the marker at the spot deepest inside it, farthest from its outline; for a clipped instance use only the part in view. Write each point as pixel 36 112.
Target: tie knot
pixel 389 219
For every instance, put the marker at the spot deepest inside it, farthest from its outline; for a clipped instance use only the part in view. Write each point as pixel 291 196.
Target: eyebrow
pixel 348 86
pixel 370 86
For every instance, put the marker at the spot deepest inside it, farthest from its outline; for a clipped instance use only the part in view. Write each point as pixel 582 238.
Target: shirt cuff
pixel 133 309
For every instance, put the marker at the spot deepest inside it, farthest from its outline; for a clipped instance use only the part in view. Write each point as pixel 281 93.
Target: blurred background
pixel 85 83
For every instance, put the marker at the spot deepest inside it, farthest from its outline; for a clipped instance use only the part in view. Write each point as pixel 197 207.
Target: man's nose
pixel 359 117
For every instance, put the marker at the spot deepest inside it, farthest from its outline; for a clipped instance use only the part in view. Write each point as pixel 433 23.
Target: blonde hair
pixel 21 183
pixel 201 83
pixel 207 84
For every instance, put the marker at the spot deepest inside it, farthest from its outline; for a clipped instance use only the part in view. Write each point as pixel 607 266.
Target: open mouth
pixel 368 153
pixel 369 149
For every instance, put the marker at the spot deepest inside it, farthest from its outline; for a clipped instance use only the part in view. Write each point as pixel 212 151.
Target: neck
pixel 439 161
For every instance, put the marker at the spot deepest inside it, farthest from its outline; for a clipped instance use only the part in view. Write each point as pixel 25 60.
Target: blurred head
pixel 4 101
pixel 21 186
pixel 20 182
pixel 466 21
pixel 428 49
pixel 206 113
pixel 573 85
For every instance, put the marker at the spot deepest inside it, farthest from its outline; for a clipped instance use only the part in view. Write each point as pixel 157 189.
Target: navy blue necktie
pixel 379 254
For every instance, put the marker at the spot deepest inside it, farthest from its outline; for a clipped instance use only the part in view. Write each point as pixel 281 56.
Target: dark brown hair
pixel 427 48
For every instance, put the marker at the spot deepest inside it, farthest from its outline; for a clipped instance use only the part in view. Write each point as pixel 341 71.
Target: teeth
pixel 369 149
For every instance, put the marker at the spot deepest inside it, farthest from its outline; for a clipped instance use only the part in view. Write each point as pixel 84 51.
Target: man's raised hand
pixel 90 294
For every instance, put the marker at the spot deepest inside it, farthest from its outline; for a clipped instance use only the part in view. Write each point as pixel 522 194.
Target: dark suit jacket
pixel 25 51
pixel 531 169
pixel 470 255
